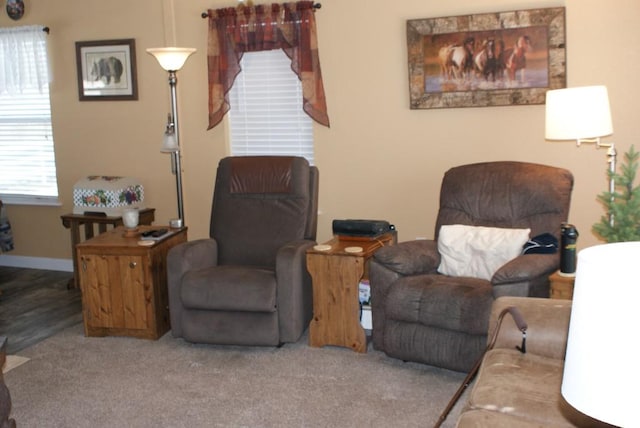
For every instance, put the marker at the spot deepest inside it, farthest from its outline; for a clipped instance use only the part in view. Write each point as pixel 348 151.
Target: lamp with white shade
pixel 600 372
pixel 172 59
pixel 583 115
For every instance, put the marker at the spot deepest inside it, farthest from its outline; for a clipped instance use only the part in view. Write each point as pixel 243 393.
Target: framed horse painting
pixel 490 59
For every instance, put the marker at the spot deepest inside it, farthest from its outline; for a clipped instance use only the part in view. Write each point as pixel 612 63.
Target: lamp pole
pixel 611 155
pixel 175 156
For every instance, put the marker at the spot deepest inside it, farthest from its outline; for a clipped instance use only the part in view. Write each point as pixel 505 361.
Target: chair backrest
pixel 506 194
pixel 261 203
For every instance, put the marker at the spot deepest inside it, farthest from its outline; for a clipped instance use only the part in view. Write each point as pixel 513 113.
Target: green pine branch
pixel 623 203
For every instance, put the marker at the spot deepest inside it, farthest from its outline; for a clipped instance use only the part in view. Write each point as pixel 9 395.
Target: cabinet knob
pixel 133 264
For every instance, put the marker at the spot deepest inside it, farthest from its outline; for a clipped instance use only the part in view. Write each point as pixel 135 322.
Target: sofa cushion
pixel 230 288
pixel 478 251
pixel 520 385
pixel 490 419
pixel 456 304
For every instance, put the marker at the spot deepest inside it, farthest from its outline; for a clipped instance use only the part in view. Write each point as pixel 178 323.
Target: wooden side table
pixel 74 221
pixel 336 274
pixel 561 287
pixel 124 284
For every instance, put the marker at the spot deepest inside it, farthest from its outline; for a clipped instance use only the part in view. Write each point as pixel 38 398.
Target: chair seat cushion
pixel 230 288
pixel 451 303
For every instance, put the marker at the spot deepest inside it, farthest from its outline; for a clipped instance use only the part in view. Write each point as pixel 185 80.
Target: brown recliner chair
pixel 248 284
pixel 421 315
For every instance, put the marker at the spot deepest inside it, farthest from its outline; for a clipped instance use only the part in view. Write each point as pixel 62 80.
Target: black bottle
pixel 568 239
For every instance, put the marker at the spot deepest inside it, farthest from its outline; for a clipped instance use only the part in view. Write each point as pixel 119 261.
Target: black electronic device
pixel 363 228
pixel 154 234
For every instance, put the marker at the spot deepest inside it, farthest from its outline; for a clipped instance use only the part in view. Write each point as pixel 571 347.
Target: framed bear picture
pixel 107 70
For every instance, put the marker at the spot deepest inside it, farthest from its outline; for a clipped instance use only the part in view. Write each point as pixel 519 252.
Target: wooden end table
pixel 74 221
pixel 561 287
pixel 124 284
pixel 336 274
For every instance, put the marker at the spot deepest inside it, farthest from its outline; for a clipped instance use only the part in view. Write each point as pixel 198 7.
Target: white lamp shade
pixel 169 143
pixel 171 59
pixel 578 113
pixel 601 374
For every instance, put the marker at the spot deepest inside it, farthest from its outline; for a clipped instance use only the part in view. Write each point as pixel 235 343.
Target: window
pixel 27 161
pixel 266 113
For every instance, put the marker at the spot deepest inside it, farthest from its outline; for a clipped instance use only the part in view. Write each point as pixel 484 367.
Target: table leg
pixel 88 230
pixel 75 239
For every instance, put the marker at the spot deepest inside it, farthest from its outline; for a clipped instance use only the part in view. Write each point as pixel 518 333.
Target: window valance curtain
pixel 287 26
pixel 21 51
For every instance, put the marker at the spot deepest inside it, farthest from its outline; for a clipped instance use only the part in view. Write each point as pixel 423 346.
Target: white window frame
pixel 27 159
pixel 266 115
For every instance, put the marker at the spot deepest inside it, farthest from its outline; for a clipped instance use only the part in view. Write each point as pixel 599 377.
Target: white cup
pixel 130 217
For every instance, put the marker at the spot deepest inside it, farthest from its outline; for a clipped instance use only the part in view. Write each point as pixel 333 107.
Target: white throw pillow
pixel 478 251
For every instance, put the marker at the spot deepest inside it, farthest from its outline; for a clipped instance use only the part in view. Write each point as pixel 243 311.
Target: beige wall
pixel 378 160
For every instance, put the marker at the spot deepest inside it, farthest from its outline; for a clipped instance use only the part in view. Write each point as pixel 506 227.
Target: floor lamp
pixel 582 115
pixel 172 60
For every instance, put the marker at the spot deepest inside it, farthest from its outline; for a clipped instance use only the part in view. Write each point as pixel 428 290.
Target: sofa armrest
pixel 410 257
pixel 547 320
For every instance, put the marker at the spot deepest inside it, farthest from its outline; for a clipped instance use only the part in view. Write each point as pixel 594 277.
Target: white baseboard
pixel 64 265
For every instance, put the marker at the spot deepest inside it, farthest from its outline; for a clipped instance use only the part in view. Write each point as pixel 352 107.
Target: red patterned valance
pixel 288 26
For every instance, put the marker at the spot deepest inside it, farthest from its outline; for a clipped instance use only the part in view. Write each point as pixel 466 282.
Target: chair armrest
pixel 294 286
pixel 389 264
pixel 547 320
pixel 526 275
pixel 410 257
pixel 191 255
pixel 526 267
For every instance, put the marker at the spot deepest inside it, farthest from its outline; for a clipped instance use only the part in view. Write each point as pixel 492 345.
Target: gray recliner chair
pixel 421 315
pixel 248 284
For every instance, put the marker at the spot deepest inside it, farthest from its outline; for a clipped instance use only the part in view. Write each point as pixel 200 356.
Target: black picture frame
pixel 107 70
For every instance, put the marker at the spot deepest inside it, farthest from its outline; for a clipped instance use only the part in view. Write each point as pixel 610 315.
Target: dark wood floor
pixel 35 304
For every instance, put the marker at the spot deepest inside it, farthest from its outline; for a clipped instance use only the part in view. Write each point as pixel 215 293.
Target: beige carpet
pixel 75 381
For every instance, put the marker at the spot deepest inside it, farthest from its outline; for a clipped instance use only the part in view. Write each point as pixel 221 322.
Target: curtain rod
pixel 315 6
pixel 45 29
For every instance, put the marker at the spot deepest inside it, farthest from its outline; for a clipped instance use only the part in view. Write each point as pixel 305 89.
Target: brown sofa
pixel 513 389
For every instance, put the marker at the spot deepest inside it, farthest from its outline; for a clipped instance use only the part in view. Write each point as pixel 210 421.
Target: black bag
pixel 544 243
pixel 366 228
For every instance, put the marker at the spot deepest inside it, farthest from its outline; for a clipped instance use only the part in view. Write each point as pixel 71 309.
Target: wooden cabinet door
pixel 115 292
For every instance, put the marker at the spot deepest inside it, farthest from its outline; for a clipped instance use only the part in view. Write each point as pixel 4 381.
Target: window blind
pixel 27 161
pixel 266 115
